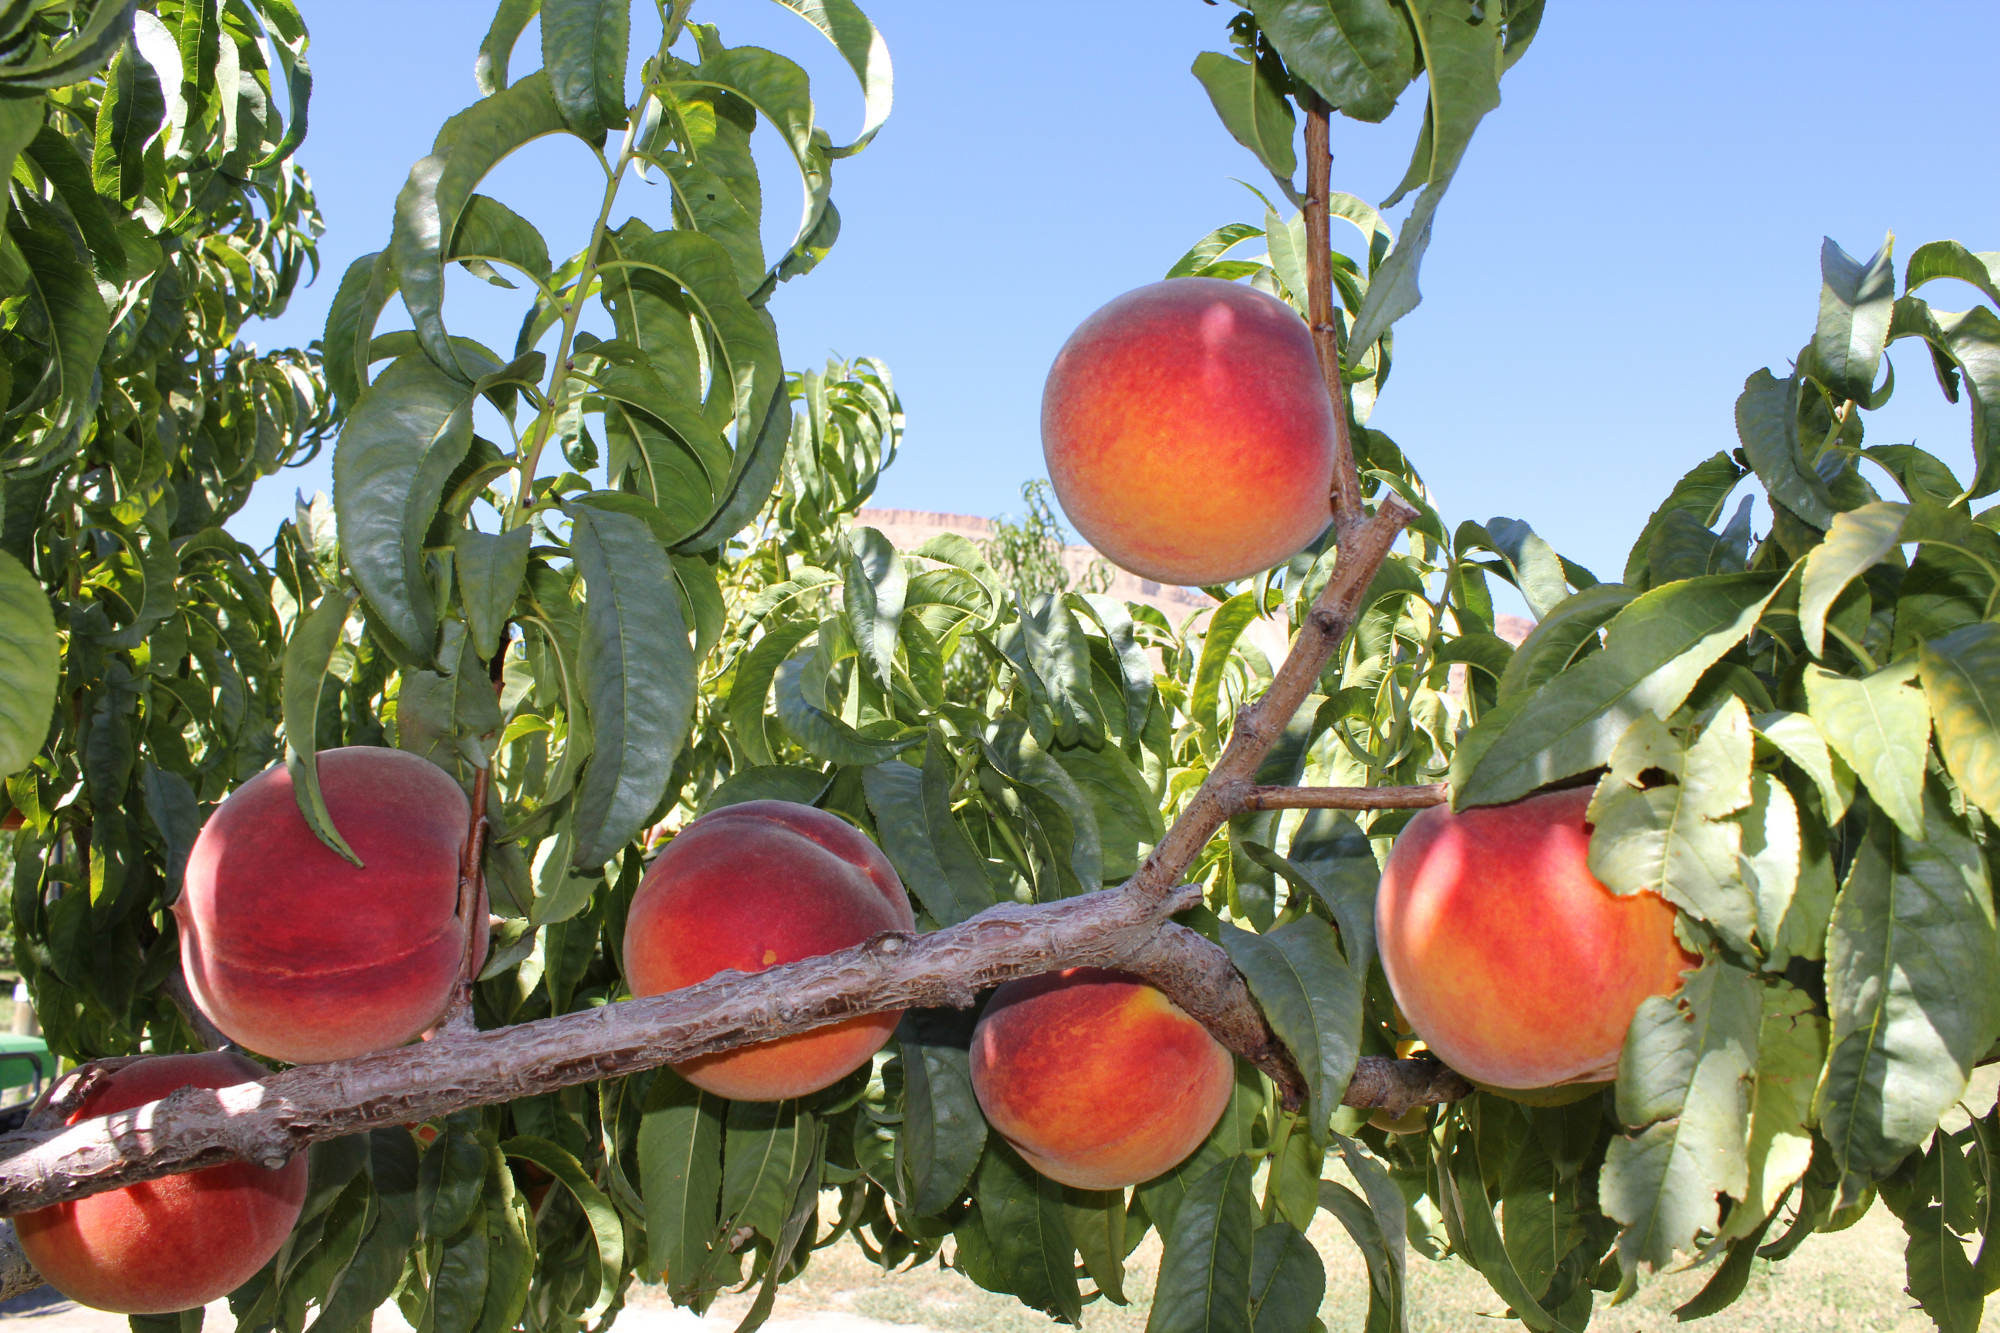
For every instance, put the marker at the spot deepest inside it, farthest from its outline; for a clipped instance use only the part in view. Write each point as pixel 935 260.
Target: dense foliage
pixel 671 610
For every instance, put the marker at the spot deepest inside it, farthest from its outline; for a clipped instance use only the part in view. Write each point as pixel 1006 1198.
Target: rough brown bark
pixel 1396 1085
pixel 17 1275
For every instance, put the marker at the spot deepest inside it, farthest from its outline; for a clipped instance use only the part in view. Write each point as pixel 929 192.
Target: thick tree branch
pixel 1198 976
pixel 17 1275
pixel 1347 511
pixel 269 1121
pixel 1345 798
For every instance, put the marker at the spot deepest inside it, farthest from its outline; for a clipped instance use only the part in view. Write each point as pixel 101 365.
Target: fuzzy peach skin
pixel 1097 1078
pixel 751 886
pixel 297 954
pixel 1511 961
pixel 177 1242
pixel 1188 433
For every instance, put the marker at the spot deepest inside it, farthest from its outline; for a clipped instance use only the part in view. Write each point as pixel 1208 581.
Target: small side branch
pixel 1346 798
pixel 1392 1085
pixel 1347 511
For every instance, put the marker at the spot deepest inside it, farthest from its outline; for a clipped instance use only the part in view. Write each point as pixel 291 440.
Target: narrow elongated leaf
pixel 30 664
pixel 1663 821
pixel 866 54
pixel 311 647
pixel 1378 1226
pixel 1857 540
pixel 67 291
pixel 377 1266
pixel 1358 55
pixel 1910 958
pixel 1287 1280
pixel 1942 1278
pixel 1700 493
pixel 752 687
pixel 395 455
pixel 1059 656
pixel 1204 1284
pixel 943 1130
pixel 451 1176
pixel 440 186
pixel 1656 649
pixel 1767 425
pixel 598 1211
pixel 1684 1077
pixel 1961 676
pixel 1468 1216
pixel 489 568
pixel 680 1171
pixel 1791 1047
pixel 490 70
pixel 771 782
pixel 1567 629
pixel 1855 302
pixel 1028 1232
pixel 638 674
pixel 583 52
pixel 1057 804
pixel 823 734
pixel 1225 627
pixel 1462 61
pixel 1538 570
pixel 1800 740
pixel 1128 814
pixel 1881 726
pixel 1313 1001
pixel 489 230
pixel 876 583
pixel 1255 113
pixel 937 862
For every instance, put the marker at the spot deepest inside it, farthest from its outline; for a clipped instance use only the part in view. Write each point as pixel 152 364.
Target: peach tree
pixel 608 577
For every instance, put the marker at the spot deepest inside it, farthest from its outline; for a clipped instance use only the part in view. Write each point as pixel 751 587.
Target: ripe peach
pixel 1097 1078
pixel 1516 966
pixel 1188 432
pixel 296 953
pixel 750 886
pixel 174 1243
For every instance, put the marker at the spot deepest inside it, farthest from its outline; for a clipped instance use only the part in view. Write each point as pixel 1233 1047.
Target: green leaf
pixel 1204 1284
pixel 943 1130
pixel 1732 1275
pixel 923 839
pixel 1225 627
pixel 65 288
pixel 311 647
pixel 70 177
pixel 1662 819
pixel 1358 55
pixel 1570 627
pixel 598 1211
pixel 1059 661
pixel 1910 957
pixel 131 116
pixel 1770 858
pixel 1685 1076
pixel 1462 59
pixel 451 1175
pixel 1791 1046
pixel 1378 1227
pixel 489 569
pixel 583 52
pixel 1700 494
pixel 1135 668
pixel 1767 424
pixel 638 674
pixel 490 70
pixel 876 583
pixel 439 189
pixel 399 447
pixel 1942 1279
pixel 1961 677
pixel 489 230
pixel 1128 814
pixel 680 1171
pixel 770 782
pixel 1287 1280
pixel 1656 649
pixel 1857 540
pixel 1855 301
pixel 820 732
pixel 510 1267
pixel 1059 807
pixel 1799 740
pixel 377 1267
pixel 752 687
pixel 1881 726
pixel 1098 1224
pixel 1536 568
pixel 1023 1216
pixel 866 54
pixel 30 665
pixel 1313 1001
pixel 1468 1217
pixel 109 24
pixel 175 812
pixel 1255 113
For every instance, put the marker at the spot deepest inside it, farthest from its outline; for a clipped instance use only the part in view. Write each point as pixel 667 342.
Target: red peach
pixel 751 886
pixel 177 1242
pixel 1513 963
pixel 1188 432
pixel 296 953
pixel 1097 1078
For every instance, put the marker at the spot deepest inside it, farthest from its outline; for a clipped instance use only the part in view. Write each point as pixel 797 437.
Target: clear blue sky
pixel 1635 230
